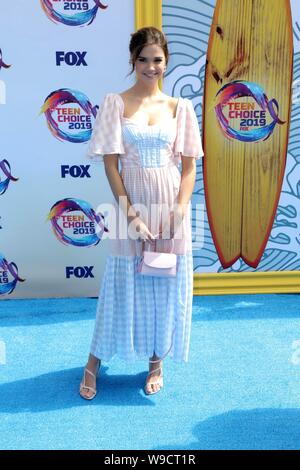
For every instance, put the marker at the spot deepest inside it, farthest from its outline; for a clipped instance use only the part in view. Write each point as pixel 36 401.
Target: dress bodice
pixel 148 146
pixel 142 145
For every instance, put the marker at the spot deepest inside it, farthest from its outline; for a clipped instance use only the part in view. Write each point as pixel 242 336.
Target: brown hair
pixel 144 37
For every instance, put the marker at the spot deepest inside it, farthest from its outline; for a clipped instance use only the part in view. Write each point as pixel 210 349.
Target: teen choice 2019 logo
pixel 5 168
pixel 74 222
pixel 69 114
pixel 245 113
pixel 8 276
pixel 72 12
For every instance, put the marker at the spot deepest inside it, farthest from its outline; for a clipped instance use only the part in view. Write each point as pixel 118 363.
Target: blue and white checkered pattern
pixel 141 315
pixel 152 143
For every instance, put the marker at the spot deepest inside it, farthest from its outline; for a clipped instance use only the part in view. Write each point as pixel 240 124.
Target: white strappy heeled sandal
pixel 84 386
pixel 159 381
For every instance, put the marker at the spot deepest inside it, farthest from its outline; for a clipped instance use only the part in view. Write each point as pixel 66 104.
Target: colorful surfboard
pixel 246 113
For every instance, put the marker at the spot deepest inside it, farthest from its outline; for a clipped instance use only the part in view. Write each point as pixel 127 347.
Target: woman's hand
pixel 175 220
pixel 140 231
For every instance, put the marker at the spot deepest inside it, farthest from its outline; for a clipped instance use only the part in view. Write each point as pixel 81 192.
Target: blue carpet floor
pixel 239 390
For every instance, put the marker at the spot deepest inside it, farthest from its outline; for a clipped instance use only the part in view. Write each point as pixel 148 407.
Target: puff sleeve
pixel 188 139
pixel 106 136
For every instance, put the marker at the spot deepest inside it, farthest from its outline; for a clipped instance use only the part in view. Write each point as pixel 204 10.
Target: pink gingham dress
pixel 141 315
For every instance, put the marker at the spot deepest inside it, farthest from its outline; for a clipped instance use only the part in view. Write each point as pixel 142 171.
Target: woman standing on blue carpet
pixel 140 314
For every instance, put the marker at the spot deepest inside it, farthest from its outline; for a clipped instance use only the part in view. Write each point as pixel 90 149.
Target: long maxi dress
pixel 137 315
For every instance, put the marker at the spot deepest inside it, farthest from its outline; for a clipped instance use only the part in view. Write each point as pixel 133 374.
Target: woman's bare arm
pixel 117 185
pixel 122 198
pixel 188 176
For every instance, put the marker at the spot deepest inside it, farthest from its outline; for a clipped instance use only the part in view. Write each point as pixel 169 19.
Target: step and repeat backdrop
pixel 58 58
pixel 57 61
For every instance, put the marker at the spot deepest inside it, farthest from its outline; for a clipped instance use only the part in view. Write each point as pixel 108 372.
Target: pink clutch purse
pixel 157 264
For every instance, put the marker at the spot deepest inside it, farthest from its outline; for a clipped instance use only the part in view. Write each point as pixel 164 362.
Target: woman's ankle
pixel 93 363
